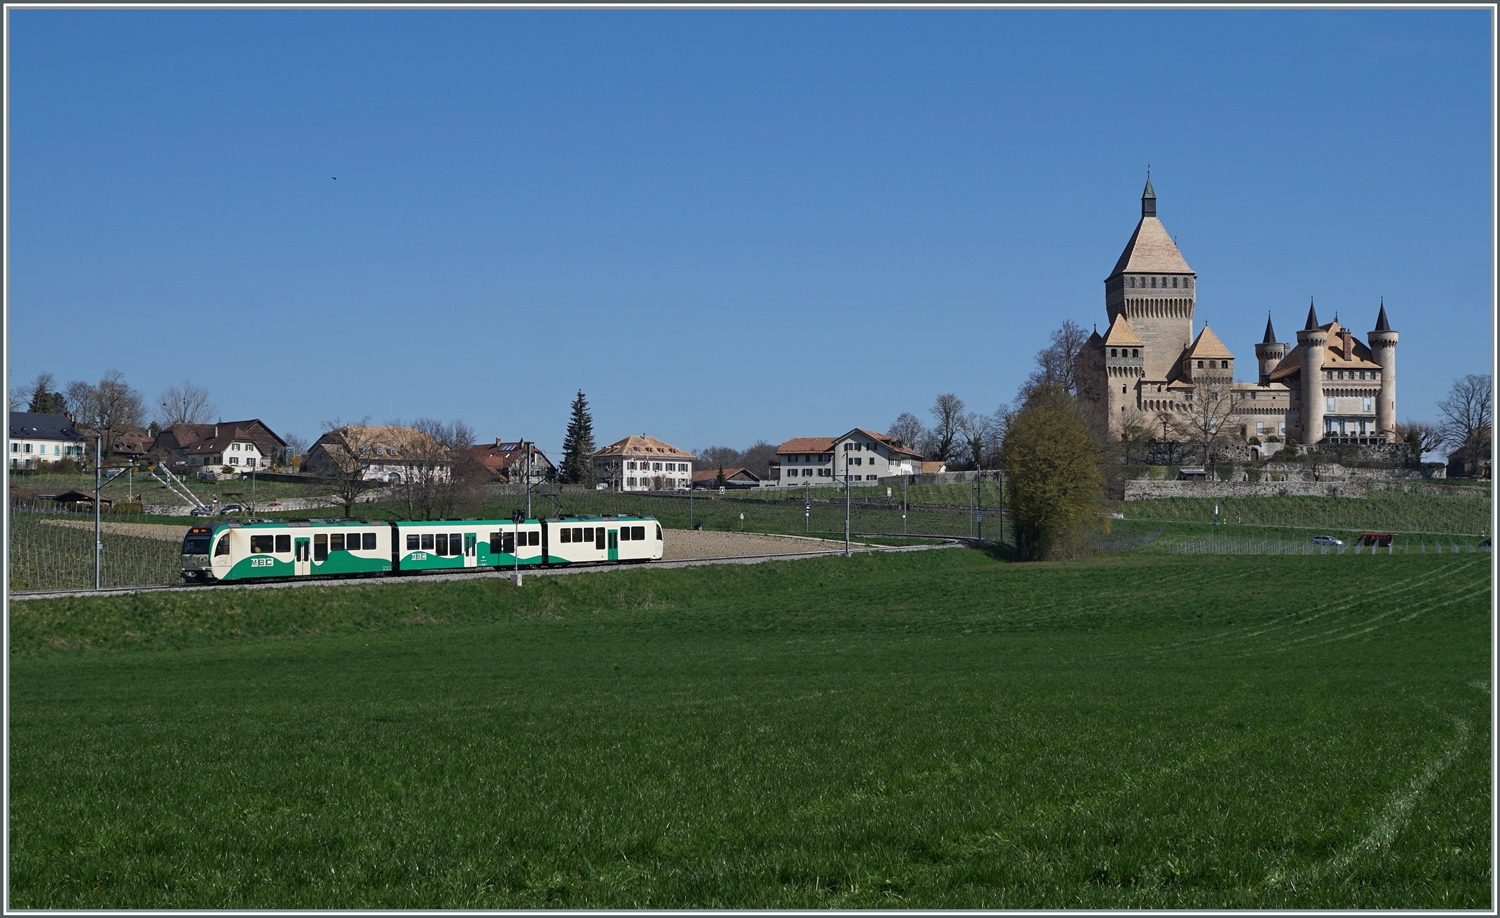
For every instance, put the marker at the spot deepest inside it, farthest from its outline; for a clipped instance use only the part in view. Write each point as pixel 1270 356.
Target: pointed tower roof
pixel 1148 198
pixel 1151 250
pixel 1270 332
pixel 1312 316
pixel 1120 333
pixel 1380 323
pixel 1207 344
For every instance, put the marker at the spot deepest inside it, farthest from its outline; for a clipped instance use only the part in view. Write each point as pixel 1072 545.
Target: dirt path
pixel 160 531
pixel 686 544
pixel 682 544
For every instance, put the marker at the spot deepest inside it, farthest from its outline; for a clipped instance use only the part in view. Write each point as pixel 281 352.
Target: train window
pixel 369 540
pixel 336 542
pixel 223 547
pixel 567 535
pixel 442 543
pixel 599 538
pixel 508 544
pixel 638 533
pixel 658 532
pixel 353 543
pixel 455 544
pixel 495 543
pixel 262 544
pixel 624 533
pixel 427 541
pixel 578 534
pixel 412 541
pixel 320 547
pixel 283 543
pixel 588 533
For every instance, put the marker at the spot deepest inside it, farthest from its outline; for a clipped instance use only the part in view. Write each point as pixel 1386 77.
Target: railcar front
pixel 273 549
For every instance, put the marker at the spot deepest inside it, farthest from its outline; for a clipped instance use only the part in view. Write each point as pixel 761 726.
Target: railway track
pixel 433 577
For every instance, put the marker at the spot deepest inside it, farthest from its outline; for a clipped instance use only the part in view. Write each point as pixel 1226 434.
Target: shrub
pixel 1254 441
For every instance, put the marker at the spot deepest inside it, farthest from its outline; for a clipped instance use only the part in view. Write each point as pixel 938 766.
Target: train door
pixel 614 545
pixel 470 559
pixel 301 556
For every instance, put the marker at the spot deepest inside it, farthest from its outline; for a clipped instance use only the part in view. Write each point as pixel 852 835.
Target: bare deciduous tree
pixel 109 407
pixel 978 434
pixel 908 429
pixel 940 440
pixel 1423 436
pixel 1467 414
pixel 1208 416
pixel 443 475
pixel 185 404
pixel 1056 364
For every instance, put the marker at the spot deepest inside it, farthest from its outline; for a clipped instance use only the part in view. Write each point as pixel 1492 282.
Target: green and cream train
pixel 294 549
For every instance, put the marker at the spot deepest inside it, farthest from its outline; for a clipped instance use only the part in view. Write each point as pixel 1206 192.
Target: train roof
pixel 216 525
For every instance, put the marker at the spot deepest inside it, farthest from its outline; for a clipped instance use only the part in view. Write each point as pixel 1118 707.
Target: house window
pixel 1331 403
pixel 234 460
pixel 1367 405
pixel 27 449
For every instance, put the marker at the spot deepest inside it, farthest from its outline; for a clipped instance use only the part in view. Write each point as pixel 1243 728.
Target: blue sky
pixel 721 225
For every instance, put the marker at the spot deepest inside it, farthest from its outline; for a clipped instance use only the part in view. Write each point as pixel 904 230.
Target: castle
pixel 1146 369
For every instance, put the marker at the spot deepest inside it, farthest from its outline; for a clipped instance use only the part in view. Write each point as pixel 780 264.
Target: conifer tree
pixel 578 444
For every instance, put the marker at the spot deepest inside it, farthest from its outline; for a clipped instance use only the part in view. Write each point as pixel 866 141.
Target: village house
pixel 860 454
pixel 390 454
pixel 643 464
pixel 241 445
pixel 43 439
pixel 507 461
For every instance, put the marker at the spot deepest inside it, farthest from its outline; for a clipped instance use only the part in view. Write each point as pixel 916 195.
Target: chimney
pixel 1347 337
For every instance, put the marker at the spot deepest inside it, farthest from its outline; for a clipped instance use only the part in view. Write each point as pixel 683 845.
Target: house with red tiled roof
pixel 507 461
pixel 643 464
pixel 241 445
pixel 860 454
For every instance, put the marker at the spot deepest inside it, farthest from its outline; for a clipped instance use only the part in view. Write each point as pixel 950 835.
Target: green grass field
pixel 937 730
pixel 1426 511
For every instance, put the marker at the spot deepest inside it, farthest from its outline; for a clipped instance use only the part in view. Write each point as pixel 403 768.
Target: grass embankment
pixel 929 730
pixel 1381 511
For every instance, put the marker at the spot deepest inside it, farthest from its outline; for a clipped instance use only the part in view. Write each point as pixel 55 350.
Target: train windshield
pixel 196 543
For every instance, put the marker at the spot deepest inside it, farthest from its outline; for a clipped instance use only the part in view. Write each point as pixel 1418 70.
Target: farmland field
pixel 938 730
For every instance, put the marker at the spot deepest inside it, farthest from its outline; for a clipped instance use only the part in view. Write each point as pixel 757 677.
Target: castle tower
pixel 1383 346
pixel 1269 352
pixel 1153 288
pixel 1313 340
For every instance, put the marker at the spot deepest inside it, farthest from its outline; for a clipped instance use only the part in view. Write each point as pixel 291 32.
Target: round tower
pixel 1383 347
pixel 1312 339
pixel 1269 352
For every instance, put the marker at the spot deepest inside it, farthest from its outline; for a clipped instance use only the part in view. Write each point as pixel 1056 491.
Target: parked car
pixel 1327 540
pixel 231 508
pixel 201 511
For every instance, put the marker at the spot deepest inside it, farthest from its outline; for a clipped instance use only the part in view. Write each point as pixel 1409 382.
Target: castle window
pixel 1174 282
pixel 1223 364
pixel 1135 352
pixel 1114 352
pixel 1153 282
pixel 1200 364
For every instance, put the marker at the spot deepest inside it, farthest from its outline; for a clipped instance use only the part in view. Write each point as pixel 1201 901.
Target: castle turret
pixel 1269 352
pixel 1312 339
pixel 1155 290
pixel 1383 347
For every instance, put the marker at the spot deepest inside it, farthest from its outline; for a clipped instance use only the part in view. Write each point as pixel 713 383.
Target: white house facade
pixel 42 439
